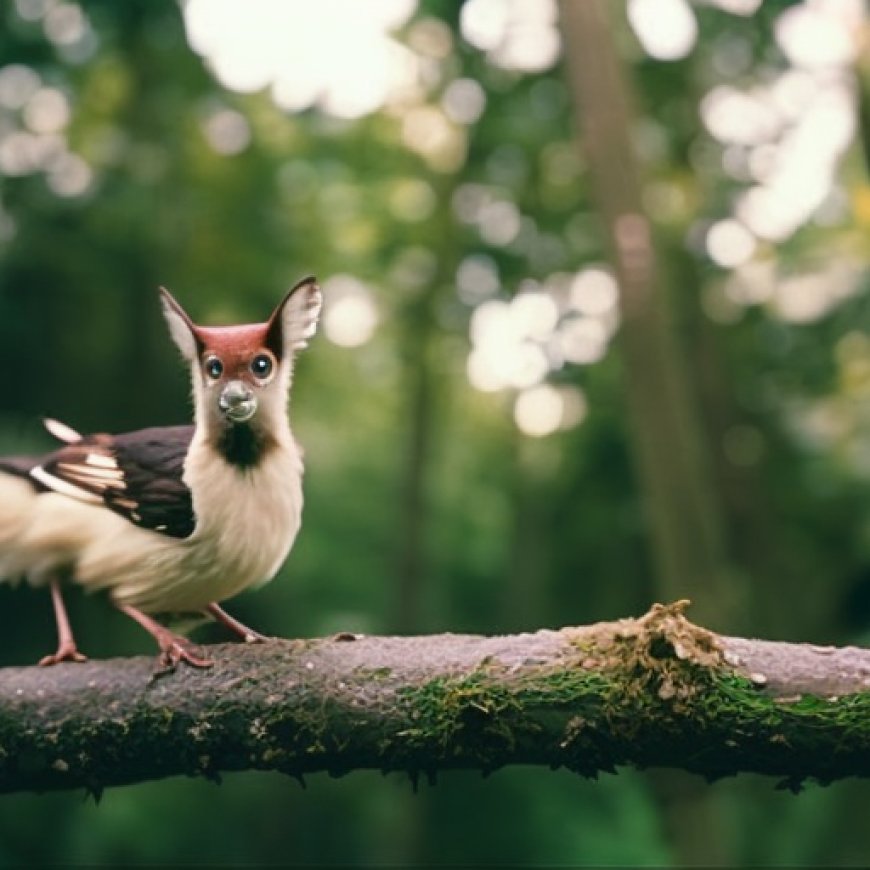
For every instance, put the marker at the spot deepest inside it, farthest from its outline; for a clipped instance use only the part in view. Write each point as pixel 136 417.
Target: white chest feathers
pixel 246 519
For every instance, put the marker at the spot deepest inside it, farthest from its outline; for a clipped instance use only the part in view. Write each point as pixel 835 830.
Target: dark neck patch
pixel 241 445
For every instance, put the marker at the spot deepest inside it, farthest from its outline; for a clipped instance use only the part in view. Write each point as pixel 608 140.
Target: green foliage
pixel 426 507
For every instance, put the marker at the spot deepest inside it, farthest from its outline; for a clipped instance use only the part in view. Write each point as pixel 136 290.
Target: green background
pixel 427 508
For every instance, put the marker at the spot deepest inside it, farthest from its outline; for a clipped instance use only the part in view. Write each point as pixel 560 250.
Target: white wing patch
pixel 96 474
pixel 138 475
pixel 100 460
pixel 89 475
pixel 49 481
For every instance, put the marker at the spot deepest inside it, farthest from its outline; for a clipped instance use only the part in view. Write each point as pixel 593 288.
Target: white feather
pixel 62 486
pixel 61 431
pixel 100 460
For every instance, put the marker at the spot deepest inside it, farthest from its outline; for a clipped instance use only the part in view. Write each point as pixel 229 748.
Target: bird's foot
pixel 66 652
pixel 175 649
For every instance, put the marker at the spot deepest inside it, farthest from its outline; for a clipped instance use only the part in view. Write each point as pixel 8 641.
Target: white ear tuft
pixel 181 327
pixel 294 321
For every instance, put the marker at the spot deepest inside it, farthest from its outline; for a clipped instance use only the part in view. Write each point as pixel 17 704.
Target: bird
pixel 172 519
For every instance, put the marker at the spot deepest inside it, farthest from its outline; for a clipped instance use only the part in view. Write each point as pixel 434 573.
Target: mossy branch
pixel 654 691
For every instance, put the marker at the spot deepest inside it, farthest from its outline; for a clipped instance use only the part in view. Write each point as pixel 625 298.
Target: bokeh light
pixel 254 44
pixel 667 29
pixel 350 316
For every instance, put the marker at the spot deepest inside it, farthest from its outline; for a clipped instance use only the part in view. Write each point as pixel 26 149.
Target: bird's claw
pixel 66 652
pixel 175 649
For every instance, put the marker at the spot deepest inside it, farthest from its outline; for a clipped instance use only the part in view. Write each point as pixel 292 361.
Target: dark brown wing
pixel 139 475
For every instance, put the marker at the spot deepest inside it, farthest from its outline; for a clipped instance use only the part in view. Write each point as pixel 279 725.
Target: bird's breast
pixel 246 519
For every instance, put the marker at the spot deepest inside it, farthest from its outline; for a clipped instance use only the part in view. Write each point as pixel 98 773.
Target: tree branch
pixel 654 691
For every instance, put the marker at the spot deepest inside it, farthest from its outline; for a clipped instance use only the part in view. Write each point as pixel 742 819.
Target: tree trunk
pixel 682 505
pixel 654 691
pixel 687 537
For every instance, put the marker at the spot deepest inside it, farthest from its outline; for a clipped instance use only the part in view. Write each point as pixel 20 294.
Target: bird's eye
pixel 261 366
pixel 214 368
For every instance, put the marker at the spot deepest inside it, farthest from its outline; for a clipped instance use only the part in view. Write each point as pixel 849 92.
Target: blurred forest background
pixel 551 386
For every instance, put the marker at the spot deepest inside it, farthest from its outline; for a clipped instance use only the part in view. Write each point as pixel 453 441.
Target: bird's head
pixel 241 373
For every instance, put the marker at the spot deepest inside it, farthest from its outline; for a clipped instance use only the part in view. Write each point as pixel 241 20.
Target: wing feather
pixel 138 475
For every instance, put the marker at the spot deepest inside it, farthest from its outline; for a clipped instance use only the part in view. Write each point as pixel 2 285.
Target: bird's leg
pixel 66 645
pixel 248 635
pixel 173 647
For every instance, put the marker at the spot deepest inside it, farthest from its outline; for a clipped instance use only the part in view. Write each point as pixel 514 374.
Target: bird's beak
pixel 237 402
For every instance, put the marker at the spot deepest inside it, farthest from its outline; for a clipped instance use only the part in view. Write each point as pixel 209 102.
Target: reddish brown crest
pixel 290 325
pixel 232 341
pixel 233 345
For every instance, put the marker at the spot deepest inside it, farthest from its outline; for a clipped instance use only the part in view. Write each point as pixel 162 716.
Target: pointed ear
pixel 294 321
pixel 181 327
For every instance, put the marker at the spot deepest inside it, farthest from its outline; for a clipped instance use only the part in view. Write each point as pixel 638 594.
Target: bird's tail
pixel 61 431
pixel 17 500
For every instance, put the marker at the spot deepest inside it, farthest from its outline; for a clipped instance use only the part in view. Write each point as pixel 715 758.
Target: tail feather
pixel 17 499
pixel 61 431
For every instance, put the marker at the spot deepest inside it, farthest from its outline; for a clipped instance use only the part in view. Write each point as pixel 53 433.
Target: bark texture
pixel 654 691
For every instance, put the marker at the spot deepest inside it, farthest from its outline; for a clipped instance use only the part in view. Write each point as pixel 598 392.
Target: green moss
pixel 652 691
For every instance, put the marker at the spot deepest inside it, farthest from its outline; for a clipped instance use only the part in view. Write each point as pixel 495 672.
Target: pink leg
pixel 248 635
pixel 173 647
pixel 66 645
